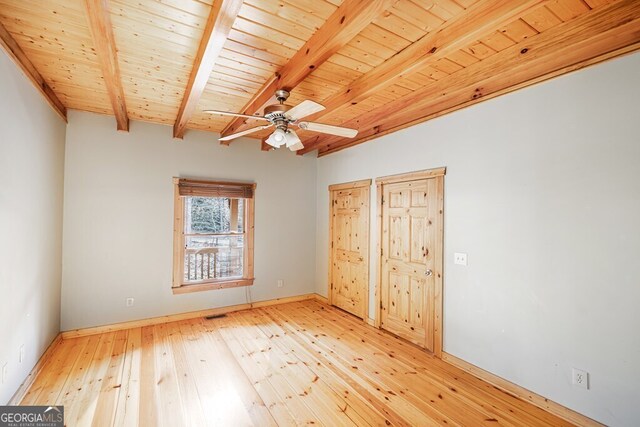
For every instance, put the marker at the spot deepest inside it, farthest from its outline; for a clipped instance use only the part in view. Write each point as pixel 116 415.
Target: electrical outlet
pixel 130 302
pixel 21 358
pixel 280 283
pixel 4 373
pixel 460 258
pixel 580 378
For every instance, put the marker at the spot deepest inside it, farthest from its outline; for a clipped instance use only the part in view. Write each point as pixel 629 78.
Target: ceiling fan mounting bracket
pixel 282 95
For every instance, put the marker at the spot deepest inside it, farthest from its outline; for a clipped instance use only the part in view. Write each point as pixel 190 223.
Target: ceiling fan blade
pixel 244 132
pixel 331 130
pixel 296 146
pixel 304 109
pixel 226 113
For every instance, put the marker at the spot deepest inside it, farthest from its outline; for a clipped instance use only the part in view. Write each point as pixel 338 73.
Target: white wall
pixel 31 169
pixel 543 192
pixel 118 219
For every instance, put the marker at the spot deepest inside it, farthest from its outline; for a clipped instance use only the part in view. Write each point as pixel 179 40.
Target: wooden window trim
pixel 178 286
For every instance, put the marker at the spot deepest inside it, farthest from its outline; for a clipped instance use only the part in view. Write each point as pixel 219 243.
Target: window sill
pixel 185 289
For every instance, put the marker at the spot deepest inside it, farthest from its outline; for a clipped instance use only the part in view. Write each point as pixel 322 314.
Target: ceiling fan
pixel 282 116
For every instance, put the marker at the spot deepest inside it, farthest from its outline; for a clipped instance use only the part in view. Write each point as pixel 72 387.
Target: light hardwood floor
pixel 291 364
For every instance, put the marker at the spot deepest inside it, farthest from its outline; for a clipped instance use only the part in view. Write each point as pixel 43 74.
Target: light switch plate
pixel 460 258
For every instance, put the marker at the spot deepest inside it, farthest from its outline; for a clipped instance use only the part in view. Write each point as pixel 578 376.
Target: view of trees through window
pixel 212 215
pixel 214 238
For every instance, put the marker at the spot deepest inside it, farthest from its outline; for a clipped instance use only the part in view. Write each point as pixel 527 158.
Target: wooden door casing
pixel 349 247
pixel 410 271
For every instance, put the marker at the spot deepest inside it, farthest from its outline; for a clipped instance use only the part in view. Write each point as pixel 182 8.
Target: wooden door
pixel 349 247
pixel 410 258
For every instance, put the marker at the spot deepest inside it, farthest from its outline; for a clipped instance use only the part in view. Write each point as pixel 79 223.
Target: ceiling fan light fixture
pixel 277 138
pixel 292 138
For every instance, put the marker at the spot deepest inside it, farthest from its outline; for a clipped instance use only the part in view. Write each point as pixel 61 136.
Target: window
pixel 213 235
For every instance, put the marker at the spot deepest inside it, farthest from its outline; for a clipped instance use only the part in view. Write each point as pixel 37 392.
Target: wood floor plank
pixel 81 411
pixel 262 372
pixel 322 397
pixel 127 412
pixel 77 379
pixel 388 344
pixel 229 380
pixel 170 409
pixel 396 376
pixel 189 396
pixel 368 380
pixel 111 383
pixel 47 386
pixel 369 413
pixel 149 399
pixel 294 364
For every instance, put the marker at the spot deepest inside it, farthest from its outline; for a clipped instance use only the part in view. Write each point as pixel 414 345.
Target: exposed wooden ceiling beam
pixel 20 58
pixel 482 18
pixel 342 26
pixel 105 44
pixel 221 18
pixel 593 37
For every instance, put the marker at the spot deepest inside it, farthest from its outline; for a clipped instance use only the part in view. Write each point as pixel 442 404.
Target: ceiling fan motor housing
pixel 276 115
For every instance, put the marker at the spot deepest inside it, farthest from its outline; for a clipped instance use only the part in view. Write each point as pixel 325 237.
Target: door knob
pixel 428 272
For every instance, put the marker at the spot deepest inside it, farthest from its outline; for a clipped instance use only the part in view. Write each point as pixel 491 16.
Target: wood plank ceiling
pixel 377 65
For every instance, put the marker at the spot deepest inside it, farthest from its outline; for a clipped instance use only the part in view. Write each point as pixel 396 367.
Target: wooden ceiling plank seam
pixel 99 21
pixel 168 13
pixel 341 27
pixel 221 19
pixel 248 60
pixel 133 15
pixel 289 12
pixel 275 22
pixel 256 53
pixel 261 44
pixel 15 52
pixel 318 8
pixel 568 9
pixel 393 23
pixel 262 31
pixel 566 47
pixel 389 39
pixel 475 22
pixel 417 15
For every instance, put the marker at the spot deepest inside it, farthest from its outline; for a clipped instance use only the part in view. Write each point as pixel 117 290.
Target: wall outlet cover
pixel 280 283
pixel 580 378
pixel 460 258
pixel 130 302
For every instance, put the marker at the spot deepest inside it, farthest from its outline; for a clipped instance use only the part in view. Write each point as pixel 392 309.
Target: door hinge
pixel 331 245
pixel 381 304
pixel 381 252
pixel 382 200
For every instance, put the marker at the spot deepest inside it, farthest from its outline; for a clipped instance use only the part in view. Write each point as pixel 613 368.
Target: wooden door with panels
pixel 349 247
pixel 410 272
